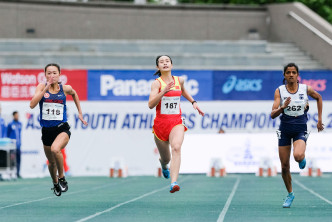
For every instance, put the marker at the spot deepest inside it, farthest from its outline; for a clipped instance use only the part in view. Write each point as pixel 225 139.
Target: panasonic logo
pixel 132 87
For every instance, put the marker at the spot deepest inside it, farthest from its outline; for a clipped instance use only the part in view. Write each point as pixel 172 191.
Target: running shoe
pixel 56 189
pixel 63 184
pixel 289 200
pixel 302 164
pixel 174 187
pixel 166 173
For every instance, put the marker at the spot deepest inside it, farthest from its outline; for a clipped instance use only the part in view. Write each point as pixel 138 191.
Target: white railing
pixel 310 27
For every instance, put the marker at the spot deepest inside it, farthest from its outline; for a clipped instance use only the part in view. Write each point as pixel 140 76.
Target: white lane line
pixel 31 201
pixel 71 193
pixel 228 202
pixel 124 203
pixel 313 192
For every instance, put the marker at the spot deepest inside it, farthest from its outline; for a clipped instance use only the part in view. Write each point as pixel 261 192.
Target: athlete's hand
pixel 286 103
pixel 48 84
pixel 80 116
pixel 320 126
pixel 168 87
pixel 198 109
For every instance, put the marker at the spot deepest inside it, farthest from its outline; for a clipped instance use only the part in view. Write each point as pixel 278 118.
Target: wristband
pixel 193 102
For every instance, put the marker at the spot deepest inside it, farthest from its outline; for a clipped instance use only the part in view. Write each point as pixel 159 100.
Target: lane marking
pixel 228 202
pixel 313 192
pixel 71 193
pixel 31 201
pixel 126 202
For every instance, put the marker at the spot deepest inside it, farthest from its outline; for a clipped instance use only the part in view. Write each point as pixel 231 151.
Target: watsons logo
pixel 233 83
pixel 8 78
pixel 141 87
pixel 17 79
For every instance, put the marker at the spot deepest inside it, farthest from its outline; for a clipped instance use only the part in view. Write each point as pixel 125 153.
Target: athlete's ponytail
pixel 157 62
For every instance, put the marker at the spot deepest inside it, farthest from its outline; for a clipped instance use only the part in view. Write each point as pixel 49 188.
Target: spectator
pixel 14 129
pixel 221 130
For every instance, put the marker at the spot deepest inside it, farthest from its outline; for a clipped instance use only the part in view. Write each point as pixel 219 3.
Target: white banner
pixel 245 153
pixel 123 130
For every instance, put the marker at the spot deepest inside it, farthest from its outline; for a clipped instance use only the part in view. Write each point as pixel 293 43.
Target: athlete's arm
pixel 155 95
pixel 312 93
pixel 186 95
pixel 68 90
pixel 276 110
pixel 39 93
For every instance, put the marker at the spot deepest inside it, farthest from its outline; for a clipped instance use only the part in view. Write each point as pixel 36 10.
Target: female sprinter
pixel 168 126
pixel 291 100
pixel 51 97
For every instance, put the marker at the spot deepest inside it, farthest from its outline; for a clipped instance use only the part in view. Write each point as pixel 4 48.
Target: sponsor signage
pixel 129 85
pixel 261 85
pixel 20 84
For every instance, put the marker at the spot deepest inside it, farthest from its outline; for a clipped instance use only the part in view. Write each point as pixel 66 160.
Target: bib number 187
pixel 170 105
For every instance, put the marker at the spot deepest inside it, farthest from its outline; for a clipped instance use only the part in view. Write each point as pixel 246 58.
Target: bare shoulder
pixel 181 80
pixel 41 86
pixel 277 94
pixel 310 89
pixel 67 88
pixel 155 84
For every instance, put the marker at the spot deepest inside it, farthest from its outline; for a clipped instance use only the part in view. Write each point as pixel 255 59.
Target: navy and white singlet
pixel 53 110
pixel 294 117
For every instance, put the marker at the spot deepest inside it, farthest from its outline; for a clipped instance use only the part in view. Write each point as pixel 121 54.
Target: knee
pixel 176 148
pixel 55 150
pixel 51 163
pixel 285 168
pixel 298 157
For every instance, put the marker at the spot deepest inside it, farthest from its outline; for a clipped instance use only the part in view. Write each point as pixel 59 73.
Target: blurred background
pixel 231 54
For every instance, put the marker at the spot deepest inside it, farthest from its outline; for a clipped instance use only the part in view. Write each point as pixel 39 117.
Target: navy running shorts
pixel 289 132
pixel 49 134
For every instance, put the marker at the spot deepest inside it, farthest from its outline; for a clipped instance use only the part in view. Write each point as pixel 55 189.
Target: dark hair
pixel 52 64
pixel 286 67
pixel 14 113
pixel 157 60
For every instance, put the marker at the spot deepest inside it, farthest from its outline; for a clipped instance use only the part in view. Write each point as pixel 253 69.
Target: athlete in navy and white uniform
pixel 291 101
pixel 51 97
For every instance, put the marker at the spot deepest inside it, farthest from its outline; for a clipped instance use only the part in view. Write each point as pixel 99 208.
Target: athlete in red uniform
pixel 168 126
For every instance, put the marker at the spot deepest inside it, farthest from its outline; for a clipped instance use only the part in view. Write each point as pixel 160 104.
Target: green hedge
pixel 321 7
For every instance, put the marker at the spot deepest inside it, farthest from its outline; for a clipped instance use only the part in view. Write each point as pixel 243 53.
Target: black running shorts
pixel 50 133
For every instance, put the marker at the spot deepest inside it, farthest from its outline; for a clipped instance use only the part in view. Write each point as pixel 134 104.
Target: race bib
pixel 170 105
pixel 295 108
pixel 52 111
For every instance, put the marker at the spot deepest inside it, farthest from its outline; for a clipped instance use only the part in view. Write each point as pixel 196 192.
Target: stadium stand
pixel 128 54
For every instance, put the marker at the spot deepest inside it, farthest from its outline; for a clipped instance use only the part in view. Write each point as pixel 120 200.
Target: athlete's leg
pixel 299 150
pixel 59 143
pixel 284 155
pixel 176 139
pixel 163 148
pixel 51 163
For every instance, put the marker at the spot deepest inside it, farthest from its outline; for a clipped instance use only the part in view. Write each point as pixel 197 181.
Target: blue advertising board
pixel 261 85
pixel 135 85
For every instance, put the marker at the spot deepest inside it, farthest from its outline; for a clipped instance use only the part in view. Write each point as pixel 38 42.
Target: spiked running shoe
pixel 174 187
pixel 165 173
pixel 289 200
pixel 63 184
pixel 302 164
pixel 56 189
